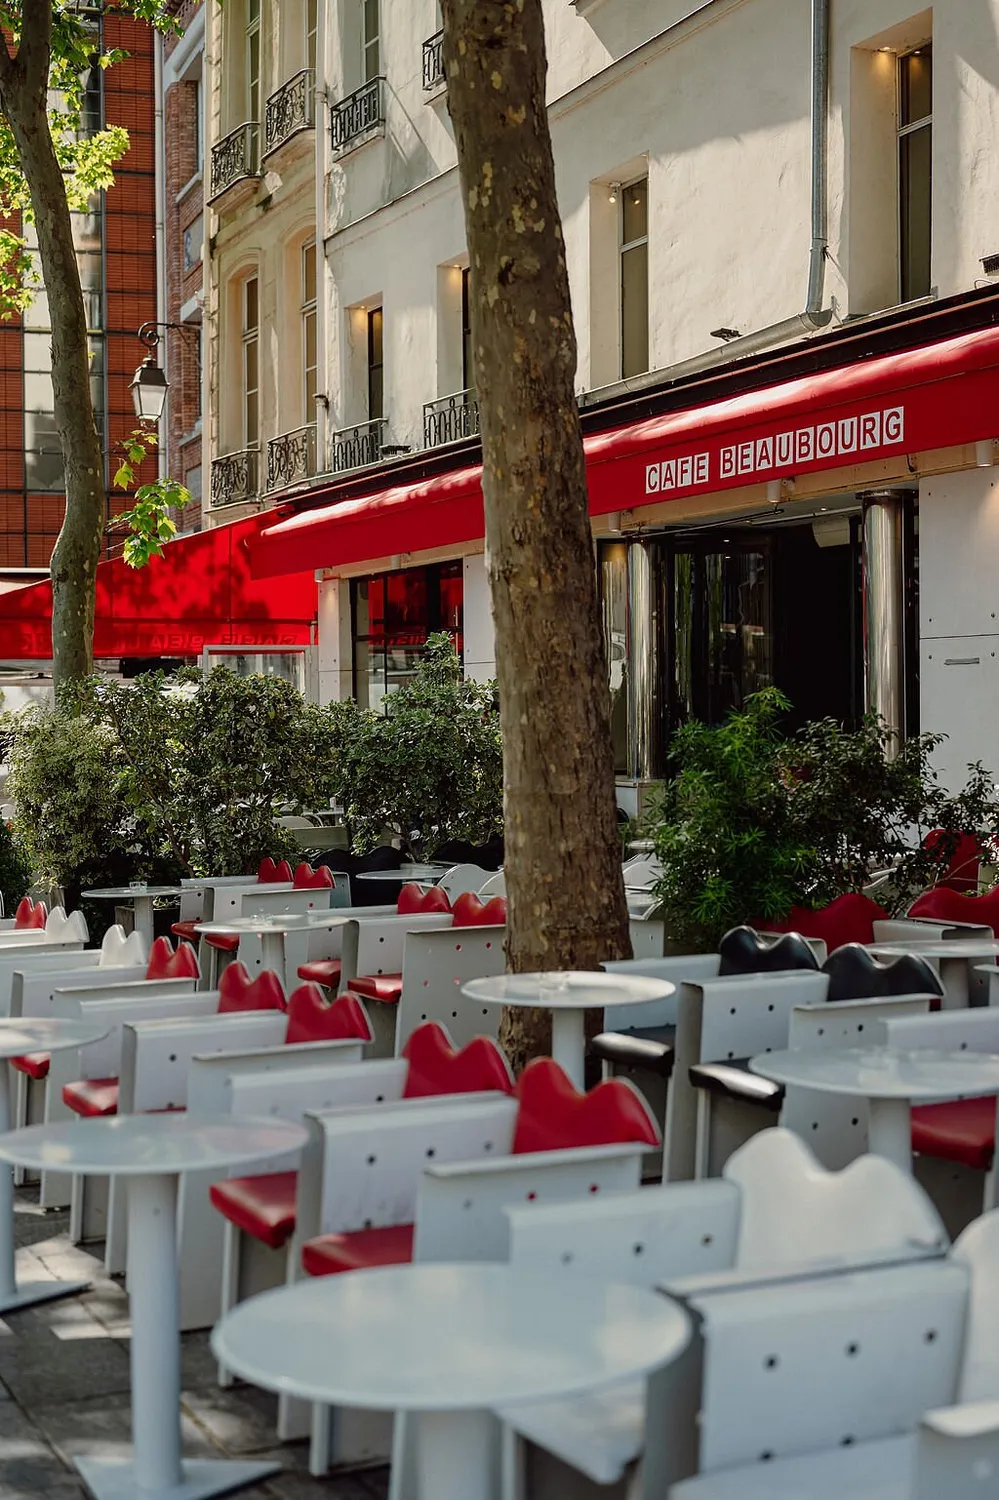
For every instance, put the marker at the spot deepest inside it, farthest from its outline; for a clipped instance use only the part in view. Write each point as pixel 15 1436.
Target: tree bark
pixel 23 99
pixel 567 905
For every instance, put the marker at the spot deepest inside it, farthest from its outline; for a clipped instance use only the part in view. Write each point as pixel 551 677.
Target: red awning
pixel 200 592
pixel 939 396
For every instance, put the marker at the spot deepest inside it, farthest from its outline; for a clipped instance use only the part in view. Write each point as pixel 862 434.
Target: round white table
pixel 890 1080
pixel 423 874
pixel 568 994
pixel 141 896
pixel 450 1343
pixel 18 1038
pixel 272 930
pixel 954 960
pixel 152 1151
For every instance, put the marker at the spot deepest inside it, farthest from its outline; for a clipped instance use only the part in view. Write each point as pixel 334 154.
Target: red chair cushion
pixel 469 911
pixel 165 963
pixel 435 1067
pixel 186 930
pixel 308 879
pixel 269 873
pixel 92 1096
pixel 414 900
pixel 261 1206
pixel 312 1018
pixel 358 1251
pixel 237 991
pixel 36 1064
pixel 29 915
pixel 962 1130
pixel 962 869
pixel 848 919
pixel 554 1116
pixel 321 971
pixel 944 905
pixel 224 942
pixel 384 987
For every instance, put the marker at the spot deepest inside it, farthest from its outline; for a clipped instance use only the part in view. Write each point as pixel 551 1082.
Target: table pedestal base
pixel 30 1293
pixel 569 1043
pixel 889 1131
pixel 455 1457
pixel 114 1478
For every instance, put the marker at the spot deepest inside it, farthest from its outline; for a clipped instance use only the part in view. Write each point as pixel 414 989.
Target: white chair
pixel 494 886
pixel 435 966
pixel 459 879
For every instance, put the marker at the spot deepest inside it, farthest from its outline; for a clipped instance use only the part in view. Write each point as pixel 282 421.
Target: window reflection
pixel 393 615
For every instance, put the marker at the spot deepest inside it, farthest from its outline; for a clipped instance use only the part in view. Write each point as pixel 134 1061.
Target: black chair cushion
pixel 855 974
pixel 488 856
pixel 367 892
pixel 744 951
pixel 733 1082
pixel 646 1049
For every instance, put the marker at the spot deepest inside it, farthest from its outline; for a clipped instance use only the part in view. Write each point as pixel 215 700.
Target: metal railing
pixel 358 115
pixel 234 477
pixel 433 62
pixel 356 447
pixel 291 457
pixel 289 109
pixel 450 418
pixel 234 157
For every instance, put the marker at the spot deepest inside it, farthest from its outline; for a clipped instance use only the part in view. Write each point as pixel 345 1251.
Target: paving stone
pixel 103 1429
pixel 29 1466
pixel 241 1419
pixel 43 1370
pixel 296 1483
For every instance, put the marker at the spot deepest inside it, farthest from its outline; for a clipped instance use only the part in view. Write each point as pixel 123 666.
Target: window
pixel 915 171
pixel 376 392
pixel 467 364
pixel 199 371
pixel 370 39
pixel 310 360
pixel 194 236
pixel 253 59
pixel 251 363
pixel 311 32
pixel 393 614
pixel 635 278
pixel 199 127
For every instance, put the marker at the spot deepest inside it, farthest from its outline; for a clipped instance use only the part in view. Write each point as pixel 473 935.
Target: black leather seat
pixel 744 951
pixel 488 856
pixel 367 892
pixel 647 1049
pixel 855 974
pixel 735 1082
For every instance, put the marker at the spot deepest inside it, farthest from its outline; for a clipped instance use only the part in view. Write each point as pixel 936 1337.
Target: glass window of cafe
pixel 393 614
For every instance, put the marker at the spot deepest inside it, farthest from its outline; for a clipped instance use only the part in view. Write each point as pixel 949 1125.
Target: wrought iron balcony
pixel 358 116
pixel 234 477
pixel 450 419
pixel 235 158
pixel 433 62
pixel 291 457
pixel 289 109
pixel 356 447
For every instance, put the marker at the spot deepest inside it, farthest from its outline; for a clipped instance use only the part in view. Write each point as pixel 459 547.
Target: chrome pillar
pixel 884 619
pixel 643 660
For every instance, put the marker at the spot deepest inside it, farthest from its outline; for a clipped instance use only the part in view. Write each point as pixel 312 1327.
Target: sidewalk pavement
pixel 64 1387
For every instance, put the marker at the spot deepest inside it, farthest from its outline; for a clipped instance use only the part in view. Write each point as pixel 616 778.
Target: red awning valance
pixel 200 592
pixel 936 397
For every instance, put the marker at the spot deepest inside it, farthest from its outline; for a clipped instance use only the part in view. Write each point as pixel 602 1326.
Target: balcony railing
pixel 433 62
pixel 235 158
pixel 356 447
pixel 234 477
pixel 450 419
pixel 289 109
pixel 357 116
pixel 291 457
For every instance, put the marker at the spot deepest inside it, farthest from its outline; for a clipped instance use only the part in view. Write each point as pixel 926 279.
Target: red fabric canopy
pixel 200 592
pixel 936 397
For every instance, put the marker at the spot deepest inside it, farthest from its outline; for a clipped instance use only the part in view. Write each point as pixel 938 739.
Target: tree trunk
pixel 567 905
pixel 77 551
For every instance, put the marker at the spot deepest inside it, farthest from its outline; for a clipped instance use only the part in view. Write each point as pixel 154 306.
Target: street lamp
pixel 149 384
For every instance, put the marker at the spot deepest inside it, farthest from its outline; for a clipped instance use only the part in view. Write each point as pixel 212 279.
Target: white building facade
pixel 781 230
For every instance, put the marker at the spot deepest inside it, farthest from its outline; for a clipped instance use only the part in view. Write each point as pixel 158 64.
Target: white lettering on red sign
pixel 781 451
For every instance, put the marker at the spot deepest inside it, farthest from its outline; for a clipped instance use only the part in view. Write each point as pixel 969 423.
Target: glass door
pixel 722 625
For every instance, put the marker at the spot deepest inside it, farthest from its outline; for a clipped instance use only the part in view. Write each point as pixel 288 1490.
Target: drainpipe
pixel 159 139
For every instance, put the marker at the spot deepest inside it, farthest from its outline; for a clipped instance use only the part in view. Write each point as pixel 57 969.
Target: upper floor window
pixel 371 39
pixel 467 366
pixel 310 344
pixel 311 32
pixel 915 171
pixel 376 369
pixel 251 362
pixel 199 125
pixel 253 59
pixel 635 278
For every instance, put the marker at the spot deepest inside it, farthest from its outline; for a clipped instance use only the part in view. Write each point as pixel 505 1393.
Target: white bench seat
pixel 879 1470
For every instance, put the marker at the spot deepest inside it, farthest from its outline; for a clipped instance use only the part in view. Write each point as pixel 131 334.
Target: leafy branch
pixel 149 522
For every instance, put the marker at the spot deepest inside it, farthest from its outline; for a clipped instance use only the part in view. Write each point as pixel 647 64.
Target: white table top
pixel 410 872
pixel 149 1145
pixel 568 990
pixel 20 1036
pixel 939 947
pixel 123 892
pixel 884 1072
pixel 448 1337
pixel 289 922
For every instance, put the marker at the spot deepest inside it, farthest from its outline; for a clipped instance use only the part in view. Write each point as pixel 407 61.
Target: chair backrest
pixel 494 886
pixel 946 905
pixel 273 872
pixel 165 962
pixel 552 1115
pixel 469 911
pixel 30 915
pixel 435 1066
pixel 160 999
pixel 376 945
pixel 60 928
pixel 676 969
pixel 641 874
pixel 847 919
pixel 306 878
pixel 743 1014
pixel 237 991
pixel 313 1018
pixel 157 1052
pixel 974 1030
pixel 743 950
pixel 460 879
pixel 978 1249
pixel 855 974
pixel 435 965
pixel 415 901
pixel 121 952
pixel 924 929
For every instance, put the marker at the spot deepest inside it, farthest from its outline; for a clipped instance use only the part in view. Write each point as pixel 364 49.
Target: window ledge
pixel 189 186
pixel 189 437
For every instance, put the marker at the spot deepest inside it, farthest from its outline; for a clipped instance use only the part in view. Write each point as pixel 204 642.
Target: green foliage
pixel 149 522
pixel 428 769
pixel 753 822
pixel 16 878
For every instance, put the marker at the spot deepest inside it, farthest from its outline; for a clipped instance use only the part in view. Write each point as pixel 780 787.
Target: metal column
pixel 643 661
pixel 884 622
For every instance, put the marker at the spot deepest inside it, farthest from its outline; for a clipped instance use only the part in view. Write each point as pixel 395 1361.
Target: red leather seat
pixel 261 1206
pixel 962 1130
pixel 325 971
pixel 329 1254
pixel 384 987
pixel 945 905
pixel 186 930
pixel 847 919
pixel 224 942
pixel 36 1064
pixel 91 1097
